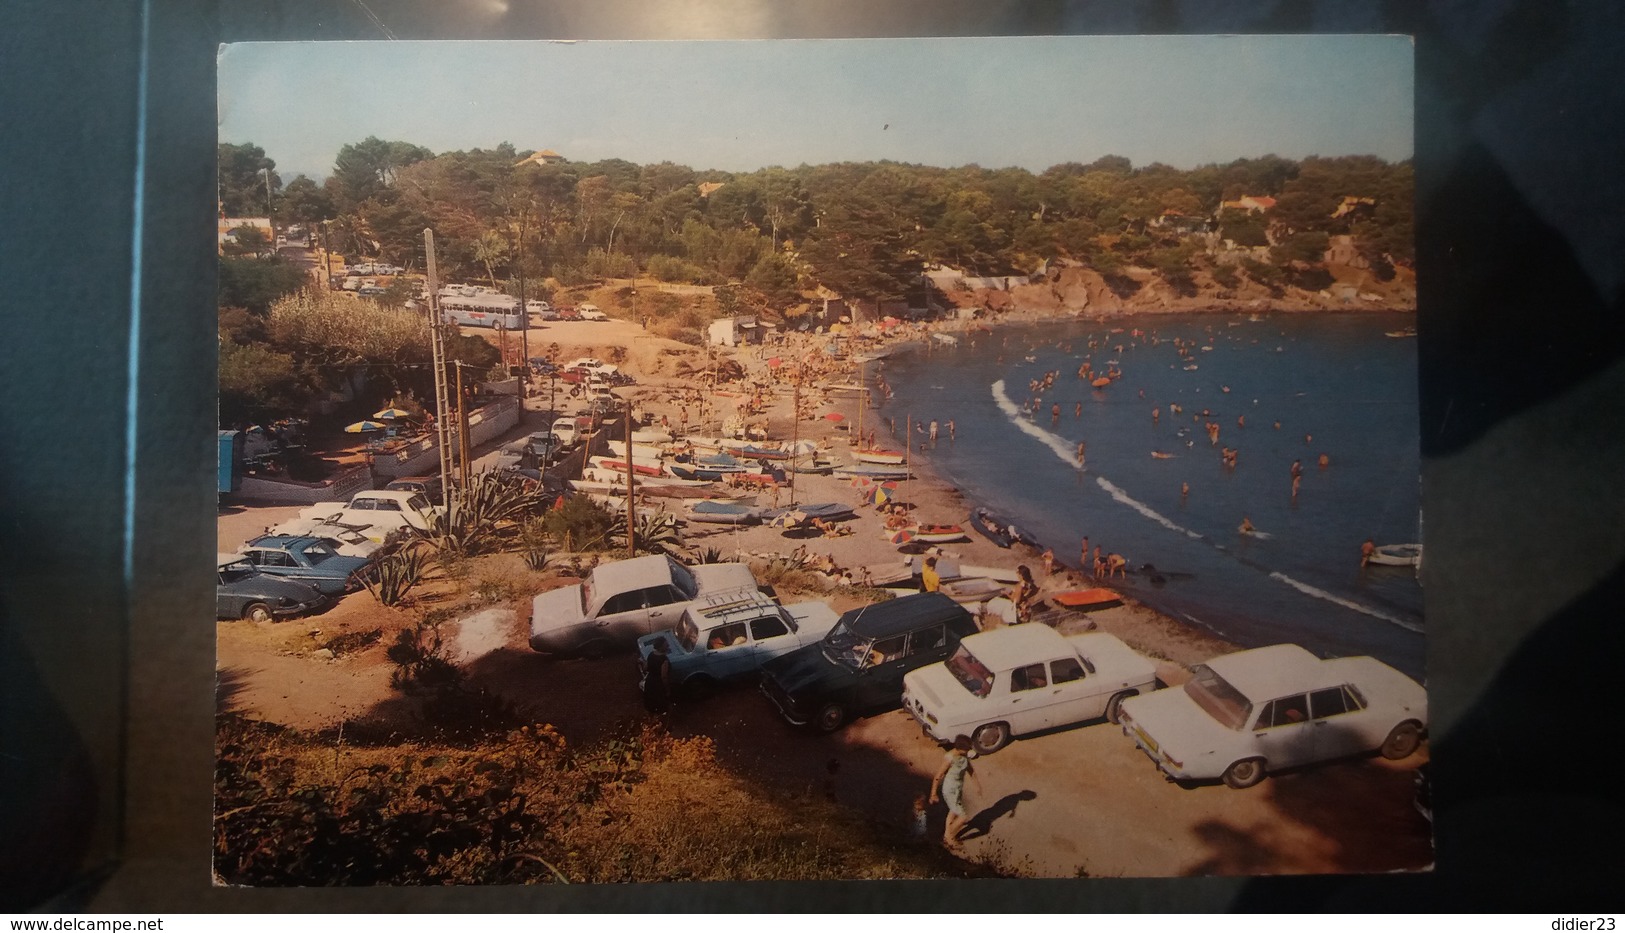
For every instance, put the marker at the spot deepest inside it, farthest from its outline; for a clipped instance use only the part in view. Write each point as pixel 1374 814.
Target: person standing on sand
pixel 930 580
pixel 1024 594
pixel 656 684
pixel 1049 561
pixel 948 786
pixel 1100 563
pixel 1083 556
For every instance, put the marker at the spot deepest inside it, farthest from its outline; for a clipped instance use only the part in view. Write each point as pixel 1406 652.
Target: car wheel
pixel 1402 742
pixel 1114 707
pixel 831 717
pixel 990 738
pixel 595 649
pixel 257 612
pixel 1244 773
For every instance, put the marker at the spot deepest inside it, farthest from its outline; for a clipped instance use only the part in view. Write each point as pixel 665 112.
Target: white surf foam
pixel 1345 603
pixel 1063 449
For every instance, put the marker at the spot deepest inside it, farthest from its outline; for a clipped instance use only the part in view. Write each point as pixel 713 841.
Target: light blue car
pixel 729 638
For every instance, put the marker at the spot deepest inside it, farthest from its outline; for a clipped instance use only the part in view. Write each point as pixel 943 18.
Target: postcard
pixel 818 459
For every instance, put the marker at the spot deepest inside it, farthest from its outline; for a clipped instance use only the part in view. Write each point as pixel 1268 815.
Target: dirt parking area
pixel 1082 801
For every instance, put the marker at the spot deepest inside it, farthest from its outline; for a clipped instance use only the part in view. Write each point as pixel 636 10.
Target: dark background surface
pixel 106 654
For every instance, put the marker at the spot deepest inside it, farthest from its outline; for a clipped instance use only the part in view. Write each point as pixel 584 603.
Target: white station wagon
pixel 1243 715
pixel 725 638
pixel 1024 678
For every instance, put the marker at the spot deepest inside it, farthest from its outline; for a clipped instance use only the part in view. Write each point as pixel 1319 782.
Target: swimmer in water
pixel 1156 415
pixel 1325 461
pixel 1246 525
pixel 1366 550
pixel 1077 410
pixel 1184 490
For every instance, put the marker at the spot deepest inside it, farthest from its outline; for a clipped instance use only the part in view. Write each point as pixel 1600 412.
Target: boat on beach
pixel 876 455
pixel 1087 600
pixel 927 534
pixel 872 471
pixel 998 530
pixel 724 513
pixel 1397 555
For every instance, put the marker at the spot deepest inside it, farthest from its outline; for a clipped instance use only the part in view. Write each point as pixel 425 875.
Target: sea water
pixel 1337 384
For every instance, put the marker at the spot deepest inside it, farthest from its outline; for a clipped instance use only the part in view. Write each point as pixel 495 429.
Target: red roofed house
pixel 544 157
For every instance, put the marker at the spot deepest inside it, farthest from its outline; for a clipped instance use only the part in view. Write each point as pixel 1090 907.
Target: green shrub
pixel 581 525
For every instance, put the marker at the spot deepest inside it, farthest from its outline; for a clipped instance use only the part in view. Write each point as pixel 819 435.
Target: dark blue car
pixel 308 560
pixel 241 592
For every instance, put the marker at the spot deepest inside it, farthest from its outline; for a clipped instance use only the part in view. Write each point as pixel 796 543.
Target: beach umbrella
pixel 775 362
pixel 391 413
pixel 834 416
pixel 901 536
pixel 363 426
pixel 881 495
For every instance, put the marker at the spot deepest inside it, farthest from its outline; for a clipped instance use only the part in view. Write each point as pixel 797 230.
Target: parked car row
pixel 375 268
pixel 1240 717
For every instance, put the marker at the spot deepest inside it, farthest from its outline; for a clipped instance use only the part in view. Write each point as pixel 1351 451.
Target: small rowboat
pixel 973 591
pixel 1159 455
pixel 884 457
pixel 641 468
pixel 1101 383
pixel 1398 555
pixel 724 513
pixel 1087 600
pixel 929 534
pixel 872 471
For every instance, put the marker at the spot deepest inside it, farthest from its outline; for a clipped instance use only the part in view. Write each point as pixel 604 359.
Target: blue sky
pixel 741 105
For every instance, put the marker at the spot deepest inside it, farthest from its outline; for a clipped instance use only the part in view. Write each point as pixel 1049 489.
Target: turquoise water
pixel 1336 384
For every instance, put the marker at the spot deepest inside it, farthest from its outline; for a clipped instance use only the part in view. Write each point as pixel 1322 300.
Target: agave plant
pixel 477 513
pixel 656 533
pixel 392 578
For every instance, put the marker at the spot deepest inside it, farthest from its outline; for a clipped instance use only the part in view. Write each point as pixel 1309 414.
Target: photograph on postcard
pixel 826 459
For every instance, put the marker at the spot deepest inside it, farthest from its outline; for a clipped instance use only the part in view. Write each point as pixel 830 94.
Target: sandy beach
pixel 865 554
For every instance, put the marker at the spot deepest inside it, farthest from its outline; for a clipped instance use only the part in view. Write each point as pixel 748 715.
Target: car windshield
pixel 687 634
pixel 845 647
pixel 684 580
pixel 972 674
pixel 1221 701
pixel 234 572
pixel 418 502
pixel 317 552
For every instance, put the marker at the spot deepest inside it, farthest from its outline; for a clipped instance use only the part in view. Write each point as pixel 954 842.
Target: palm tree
pixel 491 248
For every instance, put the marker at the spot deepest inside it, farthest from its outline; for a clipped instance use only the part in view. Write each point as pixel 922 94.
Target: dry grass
pixel 642 806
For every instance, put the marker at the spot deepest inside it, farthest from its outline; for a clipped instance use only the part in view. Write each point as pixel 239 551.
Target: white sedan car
pixel 622 601
pixel 1024 678
pixel 1243 715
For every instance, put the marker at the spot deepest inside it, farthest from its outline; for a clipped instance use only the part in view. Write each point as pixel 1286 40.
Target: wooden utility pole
pixel 795 434
pixel 462 428
pixel 631 509
pixel 438 348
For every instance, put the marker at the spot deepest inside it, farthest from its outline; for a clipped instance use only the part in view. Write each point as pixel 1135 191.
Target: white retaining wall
pixel 422 457
pixel 292 492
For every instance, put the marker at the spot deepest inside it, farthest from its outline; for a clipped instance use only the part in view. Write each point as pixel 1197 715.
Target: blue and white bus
pixel 486 309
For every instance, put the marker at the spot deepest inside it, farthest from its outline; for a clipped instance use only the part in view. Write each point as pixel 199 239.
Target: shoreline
pixel 1175 643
